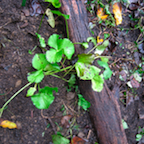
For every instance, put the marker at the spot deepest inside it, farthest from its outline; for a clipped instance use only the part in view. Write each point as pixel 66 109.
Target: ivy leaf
pixel 55 3
pixel 107 73
pixel 60 14
pixel 97 83
pixel 31 91
pixel 36 76
pixel 53 55
pixel 92 39
pixel 100 49
pixel 83 103
pixel 68 47
pixel 59 139
pixel 86 58
pixel 41 40
pixel 39 61
pixel 44 98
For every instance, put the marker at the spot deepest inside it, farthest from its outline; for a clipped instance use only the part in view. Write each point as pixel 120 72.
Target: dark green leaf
pixel 83 103
pixel 86 58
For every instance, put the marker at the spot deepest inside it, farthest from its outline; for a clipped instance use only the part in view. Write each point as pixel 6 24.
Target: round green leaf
pixel 54 56
pixel 39 61
pixel 36 76
pixel 53 41
pixel 44 98
pixel 68 47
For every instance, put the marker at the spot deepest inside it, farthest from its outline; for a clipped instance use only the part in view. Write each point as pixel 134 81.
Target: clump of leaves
pixel 140 134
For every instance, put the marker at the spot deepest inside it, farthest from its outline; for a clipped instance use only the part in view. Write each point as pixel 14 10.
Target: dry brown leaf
pixel 117 10
pixel 77 140
pixel 100 14
pixel 65 121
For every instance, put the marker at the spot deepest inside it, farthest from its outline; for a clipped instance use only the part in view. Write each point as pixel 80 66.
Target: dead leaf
pixel 50 19
pixel 35 8
pixel 7 124
pixel 99 40
pixel 134 6
pixel 65 121
pixel 77 140
pixel 117 10
pixel 100 14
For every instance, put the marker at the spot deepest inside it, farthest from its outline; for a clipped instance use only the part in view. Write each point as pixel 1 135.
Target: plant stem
pixel 68 70
pixel 60 77
pixel 67 30
pixel 1 110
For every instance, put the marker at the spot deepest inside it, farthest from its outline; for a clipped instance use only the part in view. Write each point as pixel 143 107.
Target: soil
pixel 17 37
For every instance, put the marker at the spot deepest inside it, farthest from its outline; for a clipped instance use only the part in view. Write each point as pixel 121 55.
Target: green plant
pixel 140 134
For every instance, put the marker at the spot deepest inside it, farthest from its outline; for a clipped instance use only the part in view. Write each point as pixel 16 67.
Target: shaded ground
pixel 17 37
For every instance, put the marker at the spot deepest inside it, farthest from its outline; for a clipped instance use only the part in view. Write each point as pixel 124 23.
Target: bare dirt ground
pixel 17 37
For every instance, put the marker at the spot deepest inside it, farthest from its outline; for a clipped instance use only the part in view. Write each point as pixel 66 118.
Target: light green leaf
pixel 39 61
pixel 138 137
pixel 60 14
pixel 92 39
pixel 83 103
pixel 68 47
pixel 86 58
pixel 44 98
pixel 41 40
pixel 100 49
pixel 54 56
pixel 31 91
pixel 59 139
pixel 107 73
pixel 55 3
pixel 86 71
pixel 50 16
pixel 36 76
pixel 104 59
pixel 97 83
pixel 53 41
pixel 85 45
pixel 125 126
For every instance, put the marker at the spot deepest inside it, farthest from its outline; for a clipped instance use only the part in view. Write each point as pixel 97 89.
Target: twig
pixel 47 117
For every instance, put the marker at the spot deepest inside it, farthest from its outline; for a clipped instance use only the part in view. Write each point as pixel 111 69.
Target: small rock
pixel 18 83
pixel 70 95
